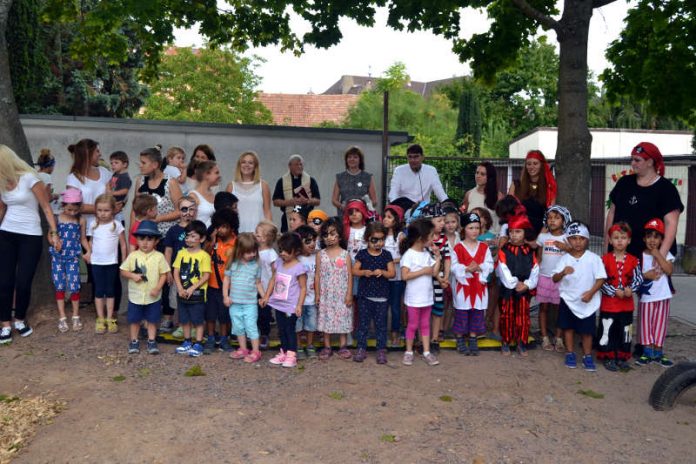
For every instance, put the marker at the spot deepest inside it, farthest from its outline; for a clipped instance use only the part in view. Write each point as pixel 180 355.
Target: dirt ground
pixel 489 409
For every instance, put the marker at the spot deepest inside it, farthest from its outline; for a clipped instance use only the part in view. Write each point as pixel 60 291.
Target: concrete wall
pixel 322 149
pixel 606 143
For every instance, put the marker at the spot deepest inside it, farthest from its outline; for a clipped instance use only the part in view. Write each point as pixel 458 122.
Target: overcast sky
pixel 364 51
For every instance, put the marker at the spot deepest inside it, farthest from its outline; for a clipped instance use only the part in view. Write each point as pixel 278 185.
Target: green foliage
pixel 654 60
pixel 208 85
pixel 469 120
pixel 336 395
pixel 118 378
pixel 194 371
pixel 388 438
pixel 446 398
pixel 394 78
pixel 591 394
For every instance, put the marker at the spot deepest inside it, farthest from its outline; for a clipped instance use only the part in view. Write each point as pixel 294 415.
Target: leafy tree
pixel 212 85
pixel 469 119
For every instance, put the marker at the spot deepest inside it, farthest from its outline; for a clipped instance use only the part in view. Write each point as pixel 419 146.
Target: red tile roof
pixel 307 110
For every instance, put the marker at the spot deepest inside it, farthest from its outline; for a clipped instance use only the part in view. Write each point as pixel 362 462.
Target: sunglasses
pixel 375 240
pixel 317 221
pixel 308 240
pixel 186 209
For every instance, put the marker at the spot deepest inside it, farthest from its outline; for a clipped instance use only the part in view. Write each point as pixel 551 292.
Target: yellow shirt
pixel 191 267
pixel 151 265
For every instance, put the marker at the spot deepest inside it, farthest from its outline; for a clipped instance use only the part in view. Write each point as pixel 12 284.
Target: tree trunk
pixel 11 132
pixel 574 139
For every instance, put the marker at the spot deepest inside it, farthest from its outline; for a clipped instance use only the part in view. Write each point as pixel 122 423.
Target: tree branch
pixel 531 12
pixel 601 3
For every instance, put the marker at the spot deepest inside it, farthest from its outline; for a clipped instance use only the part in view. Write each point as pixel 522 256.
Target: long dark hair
pixel 490 190
pixel 420 229
pixel 82 154
pixel 338 225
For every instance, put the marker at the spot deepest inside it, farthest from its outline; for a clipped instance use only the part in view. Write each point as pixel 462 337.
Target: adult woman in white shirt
pixel 253 193
pixel 21 195
pixel 207 176
pixel 88 177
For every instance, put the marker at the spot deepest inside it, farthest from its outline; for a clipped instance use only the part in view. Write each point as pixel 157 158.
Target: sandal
pixel 112 325
pixel 560 346
pixel 522 350
pixel 325 354
pixel 63 325
pixel 76 324
pixel 505 349
pixel 344 353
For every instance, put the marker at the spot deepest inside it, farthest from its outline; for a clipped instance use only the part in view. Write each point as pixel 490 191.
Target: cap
pixel 577 229
pixel 656 225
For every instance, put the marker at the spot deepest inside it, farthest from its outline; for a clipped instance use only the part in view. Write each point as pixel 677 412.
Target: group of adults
pixel 635 199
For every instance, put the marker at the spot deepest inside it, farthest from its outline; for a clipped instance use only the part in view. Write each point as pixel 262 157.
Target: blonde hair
pixel 173 151
pixel 11 168
pixel 270 229
pixel 104 198
pixel 245 243
pixel 257 167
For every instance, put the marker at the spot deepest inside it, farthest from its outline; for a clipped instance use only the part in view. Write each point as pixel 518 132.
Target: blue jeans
pixel 396 291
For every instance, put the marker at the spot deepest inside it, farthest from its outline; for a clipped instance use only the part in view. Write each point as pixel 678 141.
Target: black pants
pixel 369 311
pixel 19 256
pixel 264 320
pixel 286 330
pixel 614 335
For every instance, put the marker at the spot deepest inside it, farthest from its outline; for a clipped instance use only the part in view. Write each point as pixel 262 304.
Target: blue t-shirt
pixel 373 287
pixel 243 278
pixel 175 239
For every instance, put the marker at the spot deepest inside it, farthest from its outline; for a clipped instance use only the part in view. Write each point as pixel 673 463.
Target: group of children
pixel 341 276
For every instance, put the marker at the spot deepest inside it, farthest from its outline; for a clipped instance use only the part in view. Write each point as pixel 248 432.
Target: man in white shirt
pixel 415 180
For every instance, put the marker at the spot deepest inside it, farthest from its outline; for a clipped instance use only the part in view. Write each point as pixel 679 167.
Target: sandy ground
pixel 484 409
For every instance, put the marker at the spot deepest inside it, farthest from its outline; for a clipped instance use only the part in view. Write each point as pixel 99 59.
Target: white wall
pixel 322 149
pixel 606 143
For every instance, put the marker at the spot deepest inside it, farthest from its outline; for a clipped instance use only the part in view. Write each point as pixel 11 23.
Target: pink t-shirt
pixel 286 291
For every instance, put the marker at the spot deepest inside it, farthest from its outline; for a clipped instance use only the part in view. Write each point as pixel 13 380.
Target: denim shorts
pixel 308 320
pixel 245 320
pixel 150 312
pixel 215 309
pixel 567 320
pixel 191 313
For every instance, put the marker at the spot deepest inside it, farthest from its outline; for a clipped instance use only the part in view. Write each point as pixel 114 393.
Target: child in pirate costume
pixel 624 278
pixel 518 272
pixel 471 264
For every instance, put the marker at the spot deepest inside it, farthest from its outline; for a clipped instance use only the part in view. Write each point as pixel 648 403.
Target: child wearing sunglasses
pixel 307 322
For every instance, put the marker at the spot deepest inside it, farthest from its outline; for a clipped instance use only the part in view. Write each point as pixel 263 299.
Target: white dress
pixel 205 208
pixel 250 206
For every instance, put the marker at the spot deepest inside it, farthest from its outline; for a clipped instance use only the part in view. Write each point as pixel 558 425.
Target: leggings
pixel 396 291
pixel 20 255
pixel 418 319
pixel 286 330
pixel 372 311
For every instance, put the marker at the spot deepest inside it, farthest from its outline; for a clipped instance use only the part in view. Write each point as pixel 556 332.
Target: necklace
pixel 533 185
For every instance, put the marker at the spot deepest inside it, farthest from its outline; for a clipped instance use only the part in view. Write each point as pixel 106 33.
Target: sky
pixel 370 51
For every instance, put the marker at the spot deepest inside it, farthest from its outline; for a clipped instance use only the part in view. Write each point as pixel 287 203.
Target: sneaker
pixel 63 325
pixel 325 353
pixel 430 359
pixel 134 347
pixel 623 365
pixel 166 326
pixel 588 363
pixel 382 357
pixel 610 365
pixel 23 328
pixel 252 357
pixel 301 354
pixel 360 355
pixel 76 324
pixel 461 346
pixel 408 358
pixel 112 326
pixel 290 360
pixel 505 349
pixel 178 332
pixel 5 335
pixel 311 352
pixel 196 350
pixel 278 359
pixel 209 345
pixel 225 346
pixel 473 346
pixel 664 361
pixel 570 361
pixel 522 349
pixel 435 347
pixel 263 342
pixel 185 347
pixel 559 345
pixel 239 353
pixel 546 344
pixel 152 347
pixel 643 360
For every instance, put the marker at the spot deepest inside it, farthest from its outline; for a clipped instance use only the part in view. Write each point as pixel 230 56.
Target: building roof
pixel 307 110
pixel 354 85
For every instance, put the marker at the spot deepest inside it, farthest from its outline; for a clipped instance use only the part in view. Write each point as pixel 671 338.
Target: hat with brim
pixel 147 229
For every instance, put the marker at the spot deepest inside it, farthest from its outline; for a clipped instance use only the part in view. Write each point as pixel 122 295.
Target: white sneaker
pixel 23 328
pixel 5 335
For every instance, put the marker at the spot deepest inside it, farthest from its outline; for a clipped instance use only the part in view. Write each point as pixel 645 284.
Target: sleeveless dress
pixel 352 186
pixel 250 207
pixel 334 315
pixel 205 208
pixel 478 200
pixel 164 201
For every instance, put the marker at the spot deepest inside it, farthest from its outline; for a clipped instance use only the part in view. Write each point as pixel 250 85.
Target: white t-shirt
pixel 550 253
pixel 22 214
pixel 356 242
pixel 419 291
pixel 310 263
pixel 48 180
pixel 266 260
pixel 105 243
pixel 172 171
pixel 587 269
pixel 391 244
pixel 90 189
pixel 659 289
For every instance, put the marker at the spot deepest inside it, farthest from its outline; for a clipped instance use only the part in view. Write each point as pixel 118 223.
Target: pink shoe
pixel 240 353
pixel 278 359
pixel 252 357
pixel 290 359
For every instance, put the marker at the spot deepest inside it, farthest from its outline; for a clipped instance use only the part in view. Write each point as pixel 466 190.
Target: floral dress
pixel 334 316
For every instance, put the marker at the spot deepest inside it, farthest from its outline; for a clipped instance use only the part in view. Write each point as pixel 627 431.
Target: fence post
pixel 385 147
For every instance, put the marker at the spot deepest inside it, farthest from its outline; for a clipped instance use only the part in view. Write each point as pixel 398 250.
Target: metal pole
pixel 385 147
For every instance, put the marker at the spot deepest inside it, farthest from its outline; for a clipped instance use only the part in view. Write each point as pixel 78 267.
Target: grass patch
pixel 446 398
pixel 388 438
pixel 8 399
pixel 336 395
pixel 118 378
pixel 144 372
pixel 591 394
pixel 195 371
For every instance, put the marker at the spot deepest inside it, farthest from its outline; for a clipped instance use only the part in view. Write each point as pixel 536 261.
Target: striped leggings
pixel 653 319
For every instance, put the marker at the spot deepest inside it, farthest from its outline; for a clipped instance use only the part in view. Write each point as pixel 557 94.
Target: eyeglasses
pixel 308 240
pixel 186 209
pixel 375 240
